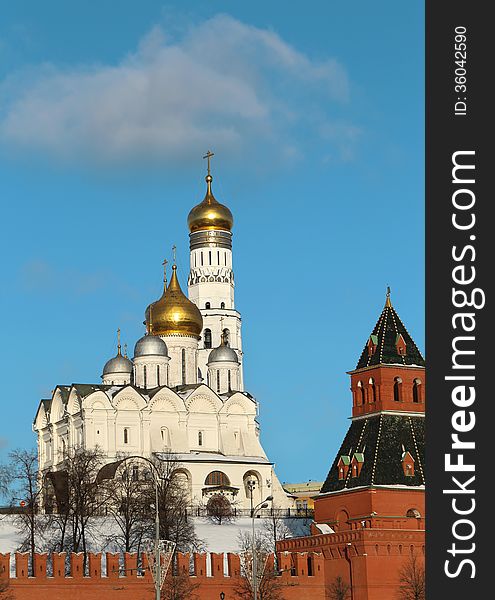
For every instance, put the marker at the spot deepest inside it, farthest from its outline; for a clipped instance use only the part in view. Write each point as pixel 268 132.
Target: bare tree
pixel 412 580
pixel 23 477
pixel 219 510
pixel 5 591
pixel 269 583
pixel 129 494
pixel 83 499
pixel 274 530
pixel 338 589
pixel 179 587
pixel 173 499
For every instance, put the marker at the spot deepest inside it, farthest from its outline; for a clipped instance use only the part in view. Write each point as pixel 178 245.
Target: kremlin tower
pixel 370 513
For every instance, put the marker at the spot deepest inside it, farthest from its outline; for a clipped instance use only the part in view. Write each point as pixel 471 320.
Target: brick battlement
pixel 116 576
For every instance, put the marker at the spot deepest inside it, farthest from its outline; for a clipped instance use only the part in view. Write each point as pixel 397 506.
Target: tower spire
pixel 388 302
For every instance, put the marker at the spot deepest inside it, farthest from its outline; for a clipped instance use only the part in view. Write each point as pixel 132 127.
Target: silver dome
pixel 223 354
pixel 117 364
pixel 150 345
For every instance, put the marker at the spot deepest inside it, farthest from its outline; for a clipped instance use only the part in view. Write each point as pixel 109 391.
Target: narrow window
pixel 229 380
pixel 373 391
pixel 361 391
pixel 135 473
pixel 207 337
pixel 158 375
pixel 201 259
pixel 222 305
pixel 226 336
pixel 225 258
pixel 208 305
pixel 144 375
pixel 126 435
pixel 209 256
pixel 218 381
pixel 183 366
pixel 416 391
pixel 218 257
pixel 200 438
pixel 397 382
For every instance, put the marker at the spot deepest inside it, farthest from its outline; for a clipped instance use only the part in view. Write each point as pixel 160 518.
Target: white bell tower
pixel 211 277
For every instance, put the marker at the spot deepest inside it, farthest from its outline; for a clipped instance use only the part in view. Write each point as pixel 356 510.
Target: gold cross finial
pixel 164 263
pixel 174 248
pixel 125 350
pixel 208 155
pixel 118 340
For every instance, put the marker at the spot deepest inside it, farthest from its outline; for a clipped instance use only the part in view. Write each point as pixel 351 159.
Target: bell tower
pixel 211 276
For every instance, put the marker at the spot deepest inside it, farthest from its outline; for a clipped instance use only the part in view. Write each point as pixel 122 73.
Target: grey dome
pixel 117 364
pixel 150 345
pixel 223 354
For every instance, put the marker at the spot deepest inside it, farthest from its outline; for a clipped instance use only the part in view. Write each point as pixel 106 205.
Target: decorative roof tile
pixel 385 335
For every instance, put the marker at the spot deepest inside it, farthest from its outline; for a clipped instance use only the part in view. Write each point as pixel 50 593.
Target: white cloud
pixel 223 84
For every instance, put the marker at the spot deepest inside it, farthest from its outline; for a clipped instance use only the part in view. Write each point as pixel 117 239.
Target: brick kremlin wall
pixel 117 577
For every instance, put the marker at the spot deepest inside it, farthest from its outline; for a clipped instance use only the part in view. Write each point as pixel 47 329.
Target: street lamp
pixel 259 506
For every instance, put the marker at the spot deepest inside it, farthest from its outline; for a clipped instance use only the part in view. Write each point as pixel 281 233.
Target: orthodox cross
pixel 164 263
pixel 208 155
pixel 174 248
pixel 118 339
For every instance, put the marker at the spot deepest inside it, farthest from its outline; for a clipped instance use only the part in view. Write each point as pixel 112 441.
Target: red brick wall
pixel 372 557
pixel 390 506
pixel 115 583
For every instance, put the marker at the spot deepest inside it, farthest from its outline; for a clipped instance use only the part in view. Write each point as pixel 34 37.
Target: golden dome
pixel 173 313
pixel 210 214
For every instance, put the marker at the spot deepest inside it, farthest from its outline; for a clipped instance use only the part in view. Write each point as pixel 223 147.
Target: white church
pixel 182 392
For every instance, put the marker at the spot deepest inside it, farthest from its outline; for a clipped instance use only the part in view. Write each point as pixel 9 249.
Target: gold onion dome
pixel 210 214
pixel 174 313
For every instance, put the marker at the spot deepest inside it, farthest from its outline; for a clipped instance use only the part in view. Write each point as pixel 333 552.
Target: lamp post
pixel 259 506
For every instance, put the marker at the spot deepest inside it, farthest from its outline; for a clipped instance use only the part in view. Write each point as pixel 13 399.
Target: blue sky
pixel 315 115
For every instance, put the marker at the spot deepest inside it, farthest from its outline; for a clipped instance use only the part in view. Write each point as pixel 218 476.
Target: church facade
pixel 182 392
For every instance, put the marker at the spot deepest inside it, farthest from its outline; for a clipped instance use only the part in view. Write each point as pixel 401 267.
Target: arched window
pixel 226 335
pixel 413 513
pixel 229 380
pixel 157 374
pixel 217 478
pixel 218 257
pixel 397 389
pixel 200 438
pixel 222 305
pixel 164 436
pixel 144 376
pixel 416 385
pixel 207 337
pixel 201 259
pixel 373 389
pixel 361 391
pixel 210 257
pixel 183 366
pixel 135 473
pixel 126 435
pixel 218 381
pixel 208 305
